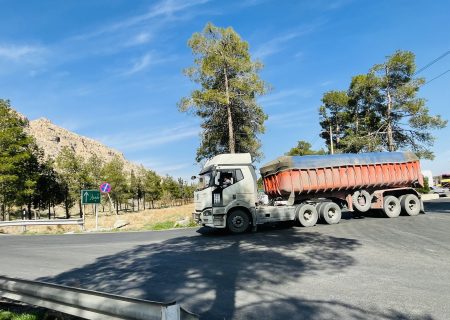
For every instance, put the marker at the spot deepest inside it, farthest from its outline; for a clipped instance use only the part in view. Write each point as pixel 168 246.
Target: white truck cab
pixel 227 193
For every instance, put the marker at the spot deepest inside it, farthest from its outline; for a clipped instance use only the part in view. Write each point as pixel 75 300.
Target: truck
pixel 305 189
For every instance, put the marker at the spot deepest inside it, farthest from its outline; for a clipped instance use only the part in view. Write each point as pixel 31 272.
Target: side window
pixel 226 178
pixel 239 175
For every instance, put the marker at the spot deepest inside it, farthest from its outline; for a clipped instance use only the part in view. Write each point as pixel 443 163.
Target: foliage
pixel 8 315
pixel 226 101
pixel 381 111
pixel 18 159
pixel 426 186
pixel 303 148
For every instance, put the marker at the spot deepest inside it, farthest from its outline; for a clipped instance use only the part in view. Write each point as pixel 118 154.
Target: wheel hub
pixel 237 221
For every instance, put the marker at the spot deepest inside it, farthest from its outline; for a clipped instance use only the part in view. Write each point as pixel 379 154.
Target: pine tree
pixel 226 101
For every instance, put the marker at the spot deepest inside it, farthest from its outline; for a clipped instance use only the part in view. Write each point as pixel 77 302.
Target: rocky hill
pixel 52 138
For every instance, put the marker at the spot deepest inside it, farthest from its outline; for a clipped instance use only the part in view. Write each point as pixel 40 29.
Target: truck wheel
pixel 238 221
pixel 362 200
pixel 307 215
pixel 330 212
pixel 391 207
pixel 410 204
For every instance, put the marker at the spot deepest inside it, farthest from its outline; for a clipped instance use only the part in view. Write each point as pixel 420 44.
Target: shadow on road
pixel 224 276
pixel 441 205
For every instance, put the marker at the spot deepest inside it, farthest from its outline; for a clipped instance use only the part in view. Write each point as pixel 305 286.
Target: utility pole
pixel 331 141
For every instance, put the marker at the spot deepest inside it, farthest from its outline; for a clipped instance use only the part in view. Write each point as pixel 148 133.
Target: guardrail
pixel 89 304
pixel 42 222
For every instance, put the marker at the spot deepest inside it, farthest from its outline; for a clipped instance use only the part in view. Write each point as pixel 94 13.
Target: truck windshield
pixel 205 180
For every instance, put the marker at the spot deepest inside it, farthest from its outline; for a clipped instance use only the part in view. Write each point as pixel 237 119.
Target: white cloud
pixel 278 98
pixel 295 119
pixel 28 54
pixel 143 140
pixel 164 9
pixel 139 39
pixel 279 43
pixel 143 62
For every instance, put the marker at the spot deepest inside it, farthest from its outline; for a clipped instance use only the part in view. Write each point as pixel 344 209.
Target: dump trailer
pixel 306 189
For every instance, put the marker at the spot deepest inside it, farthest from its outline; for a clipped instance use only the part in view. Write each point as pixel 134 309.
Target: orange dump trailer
pixel 305 176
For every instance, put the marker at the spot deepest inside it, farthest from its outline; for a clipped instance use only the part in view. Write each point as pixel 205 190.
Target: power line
pixel 437 77
pixel 432 62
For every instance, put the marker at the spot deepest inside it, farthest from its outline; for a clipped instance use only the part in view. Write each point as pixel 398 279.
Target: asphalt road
pixel 367 268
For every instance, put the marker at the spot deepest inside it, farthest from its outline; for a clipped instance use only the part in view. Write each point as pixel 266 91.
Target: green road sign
pixel 90 196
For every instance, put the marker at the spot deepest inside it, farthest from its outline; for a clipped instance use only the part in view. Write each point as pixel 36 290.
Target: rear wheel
pixel 307 215
pixel 238 221
pixel 391 207
pixel 362 200
pixel 410 204
pixel 330 212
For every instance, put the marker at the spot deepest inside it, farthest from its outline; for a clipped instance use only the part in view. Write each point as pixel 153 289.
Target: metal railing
pixel 42 222
pixel 89 304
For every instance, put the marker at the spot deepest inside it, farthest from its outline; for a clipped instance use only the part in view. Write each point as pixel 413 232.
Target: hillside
pixel 52 138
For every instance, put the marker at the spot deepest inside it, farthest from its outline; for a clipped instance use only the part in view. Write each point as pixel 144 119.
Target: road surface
pixel 367 268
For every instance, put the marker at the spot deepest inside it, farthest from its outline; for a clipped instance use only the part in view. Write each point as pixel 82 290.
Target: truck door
pixel 227 189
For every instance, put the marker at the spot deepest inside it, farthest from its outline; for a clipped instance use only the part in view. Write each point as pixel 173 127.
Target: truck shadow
pixel 221 276
pixel 441 205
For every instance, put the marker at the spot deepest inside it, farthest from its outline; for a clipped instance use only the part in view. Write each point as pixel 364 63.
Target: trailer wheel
pixel 307 215
pixel 330 212
pixel 238 221
pixel 362 200
pixel 410 204
pixel 391 207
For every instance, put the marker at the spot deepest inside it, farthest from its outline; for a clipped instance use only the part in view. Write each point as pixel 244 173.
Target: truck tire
pixel 410 204
pixel 330 212
pixel 238 221
pixel 307 215
pixel 391 207
pixel 362 200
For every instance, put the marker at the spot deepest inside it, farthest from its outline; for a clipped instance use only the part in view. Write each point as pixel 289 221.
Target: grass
pixel 150 219
pixel 8 315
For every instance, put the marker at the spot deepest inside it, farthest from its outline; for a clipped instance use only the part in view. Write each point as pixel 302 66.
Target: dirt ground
pixel 143 220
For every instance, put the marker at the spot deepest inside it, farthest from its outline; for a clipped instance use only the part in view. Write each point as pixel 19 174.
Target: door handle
pixel 234 197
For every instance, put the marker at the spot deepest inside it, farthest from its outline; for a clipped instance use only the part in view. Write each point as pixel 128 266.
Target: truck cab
pixel 226 195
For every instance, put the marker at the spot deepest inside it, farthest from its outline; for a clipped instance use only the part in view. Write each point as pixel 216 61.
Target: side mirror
pixel 193 177
pixel 217 179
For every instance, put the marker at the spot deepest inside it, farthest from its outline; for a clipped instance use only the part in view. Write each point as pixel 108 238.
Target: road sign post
pixel 91 197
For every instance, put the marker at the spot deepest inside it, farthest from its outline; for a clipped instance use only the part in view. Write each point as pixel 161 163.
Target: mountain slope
pixel 52 138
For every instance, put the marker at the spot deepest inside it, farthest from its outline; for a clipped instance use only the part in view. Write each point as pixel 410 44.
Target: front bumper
pixel 209 220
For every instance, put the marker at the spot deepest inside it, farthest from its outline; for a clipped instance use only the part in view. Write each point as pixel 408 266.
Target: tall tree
pixel 230 84
pixel 405 117
pixel 381 110
pixel 113 173
pixel 152 187
pixel 15 154
pixel 71 167
pixel 334 117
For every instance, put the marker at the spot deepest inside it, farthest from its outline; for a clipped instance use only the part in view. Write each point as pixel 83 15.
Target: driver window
pixel 226 178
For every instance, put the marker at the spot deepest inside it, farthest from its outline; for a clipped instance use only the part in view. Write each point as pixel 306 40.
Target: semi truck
pixel 305 189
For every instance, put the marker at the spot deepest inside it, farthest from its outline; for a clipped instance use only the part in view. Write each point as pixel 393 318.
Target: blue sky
pixel 112 69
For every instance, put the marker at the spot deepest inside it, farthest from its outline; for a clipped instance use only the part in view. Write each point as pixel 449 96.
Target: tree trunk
pixel 390 137
pixel 29 210
pixel 49 210
pixel 231 141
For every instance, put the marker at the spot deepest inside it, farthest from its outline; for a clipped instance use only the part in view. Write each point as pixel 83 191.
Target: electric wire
pixel 432 62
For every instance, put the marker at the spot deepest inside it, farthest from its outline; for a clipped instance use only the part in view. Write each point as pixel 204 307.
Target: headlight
pixel 207 213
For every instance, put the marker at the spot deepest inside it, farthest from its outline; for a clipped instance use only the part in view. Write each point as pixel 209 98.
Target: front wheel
pixel 238 221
